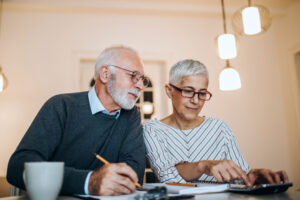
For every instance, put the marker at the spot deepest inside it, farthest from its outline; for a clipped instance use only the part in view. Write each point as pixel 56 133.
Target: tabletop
pixel 294 195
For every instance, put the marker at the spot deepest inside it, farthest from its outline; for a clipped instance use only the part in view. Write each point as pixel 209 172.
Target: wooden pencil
pixel 183 184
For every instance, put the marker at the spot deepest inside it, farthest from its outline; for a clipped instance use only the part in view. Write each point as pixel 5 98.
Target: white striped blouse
pixel 167 146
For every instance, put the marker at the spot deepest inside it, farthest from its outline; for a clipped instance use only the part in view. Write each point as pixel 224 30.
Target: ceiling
pixel 190 7
pixel 278 4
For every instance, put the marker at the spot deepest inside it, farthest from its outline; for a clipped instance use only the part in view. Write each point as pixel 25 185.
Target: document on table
pixel 121 197
pixel 200 189
pixel 211 187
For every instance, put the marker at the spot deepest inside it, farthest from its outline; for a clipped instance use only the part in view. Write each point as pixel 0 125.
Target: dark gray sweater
pixel 65 130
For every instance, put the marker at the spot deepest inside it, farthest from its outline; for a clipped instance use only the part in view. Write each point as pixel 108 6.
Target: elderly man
pixel 71 127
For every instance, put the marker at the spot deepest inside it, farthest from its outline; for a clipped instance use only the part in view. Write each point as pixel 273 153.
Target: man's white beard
pixel 120 96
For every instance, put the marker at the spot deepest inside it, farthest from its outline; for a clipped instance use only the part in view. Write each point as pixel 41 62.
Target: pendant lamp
pixel 226 42
pixel 229 78
pixel 251 19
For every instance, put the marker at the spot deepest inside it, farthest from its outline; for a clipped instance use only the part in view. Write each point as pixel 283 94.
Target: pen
pixel 183 184
pixel 106 162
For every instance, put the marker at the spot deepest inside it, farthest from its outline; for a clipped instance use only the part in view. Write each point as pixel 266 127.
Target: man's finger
pixel 120 189
pixel 126 182
pixel 125 170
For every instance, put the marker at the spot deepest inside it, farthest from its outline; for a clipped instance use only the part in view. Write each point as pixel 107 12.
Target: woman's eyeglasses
pixel 202 95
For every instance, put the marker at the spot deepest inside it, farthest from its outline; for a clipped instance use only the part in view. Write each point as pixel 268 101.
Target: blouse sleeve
pixel 233 151
pixel 159 157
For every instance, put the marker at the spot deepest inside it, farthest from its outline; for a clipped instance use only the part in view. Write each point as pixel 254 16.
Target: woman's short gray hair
pixel 186 68
pixel 108 56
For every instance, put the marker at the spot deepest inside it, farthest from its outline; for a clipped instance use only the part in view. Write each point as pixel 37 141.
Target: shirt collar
pixel 96 105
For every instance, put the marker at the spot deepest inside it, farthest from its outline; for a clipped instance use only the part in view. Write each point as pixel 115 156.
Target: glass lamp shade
pixel 227 46
pixel 229 79
pixel 251 20
pixel 3 81
pixel 148 108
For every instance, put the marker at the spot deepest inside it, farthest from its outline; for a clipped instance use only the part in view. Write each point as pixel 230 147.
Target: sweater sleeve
pixel 160 159
pixel 39 144
pixel 132 151
pixel 233 151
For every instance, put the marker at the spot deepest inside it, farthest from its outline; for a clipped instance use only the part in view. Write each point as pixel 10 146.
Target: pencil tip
pixel 94 154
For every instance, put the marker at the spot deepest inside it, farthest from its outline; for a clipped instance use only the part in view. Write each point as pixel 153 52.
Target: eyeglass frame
pixel 133 75
pixel 181 92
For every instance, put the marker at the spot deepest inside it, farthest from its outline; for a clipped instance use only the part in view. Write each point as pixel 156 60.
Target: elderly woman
pixel 185 147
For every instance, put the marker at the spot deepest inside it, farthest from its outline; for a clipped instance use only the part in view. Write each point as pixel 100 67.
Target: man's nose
pixel 140 84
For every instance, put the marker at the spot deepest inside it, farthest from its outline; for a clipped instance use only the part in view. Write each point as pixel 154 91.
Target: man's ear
pixel 104 74
pixel 168 90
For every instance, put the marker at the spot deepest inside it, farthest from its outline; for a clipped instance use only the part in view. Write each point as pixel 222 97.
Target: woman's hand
pixel 223 170
pixel 263 176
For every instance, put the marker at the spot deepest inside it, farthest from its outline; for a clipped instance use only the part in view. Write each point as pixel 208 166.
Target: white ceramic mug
pixel 43 180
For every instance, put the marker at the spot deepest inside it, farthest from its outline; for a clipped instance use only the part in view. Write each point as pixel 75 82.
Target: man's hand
pixel 263 176
pixel 223 170
pixel 112 179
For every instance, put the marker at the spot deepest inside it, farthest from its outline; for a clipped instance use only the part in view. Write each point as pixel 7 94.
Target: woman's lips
pixel 192 109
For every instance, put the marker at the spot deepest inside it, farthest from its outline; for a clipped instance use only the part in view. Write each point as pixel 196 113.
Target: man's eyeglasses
pixel 202 95
pixel 135 76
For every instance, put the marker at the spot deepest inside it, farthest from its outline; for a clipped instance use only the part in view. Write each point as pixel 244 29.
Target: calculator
pixel 260 189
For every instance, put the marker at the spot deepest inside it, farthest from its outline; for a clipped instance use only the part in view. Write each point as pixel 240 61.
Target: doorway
pixel 154 69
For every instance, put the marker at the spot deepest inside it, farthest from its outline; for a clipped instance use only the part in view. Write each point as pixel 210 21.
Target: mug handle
pixel 24 177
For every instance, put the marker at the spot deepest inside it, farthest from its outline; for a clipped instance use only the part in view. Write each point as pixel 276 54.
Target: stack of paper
pixel 199 189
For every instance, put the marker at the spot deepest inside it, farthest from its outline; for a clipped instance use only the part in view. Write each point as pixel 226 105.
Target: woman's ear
pixel 104 74
pixel 168 90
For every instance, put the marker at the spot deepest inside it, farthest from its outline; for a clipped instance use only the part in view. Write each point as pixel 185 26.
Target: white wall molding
pixel 131 7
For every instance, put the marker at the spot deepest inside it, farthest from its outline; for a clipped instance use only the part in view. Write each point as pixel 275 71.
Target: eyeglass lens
pixel 201 95
pixel 136 76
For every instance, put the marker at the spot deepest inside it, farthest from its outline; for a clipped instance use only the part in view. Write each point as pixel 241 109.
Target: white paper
pixel 202 188
pixel 121 197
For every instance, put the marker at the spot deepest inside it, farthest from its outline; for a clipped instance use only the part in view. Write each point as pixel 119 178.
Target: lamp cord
pixel 224 16
pixel 227 64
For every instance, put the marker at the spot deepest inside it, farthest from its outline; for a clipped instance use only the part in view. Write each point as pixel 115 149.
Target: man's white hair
pixel 186 68
pixel 108 56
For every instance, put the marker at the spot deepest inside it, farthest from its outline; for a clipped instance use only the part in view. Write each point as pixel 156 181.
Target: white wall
pixel 39 50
